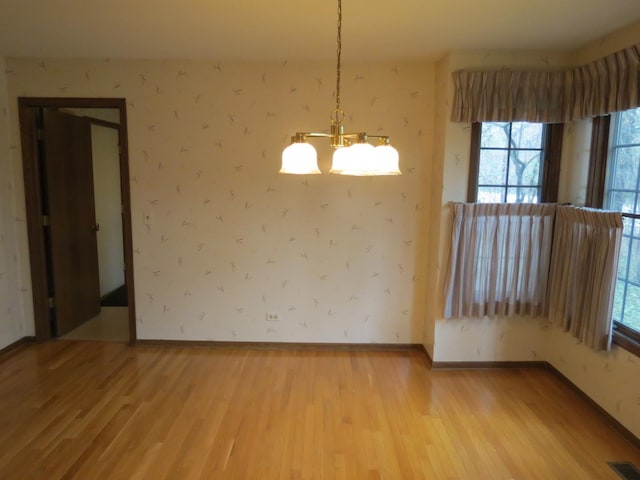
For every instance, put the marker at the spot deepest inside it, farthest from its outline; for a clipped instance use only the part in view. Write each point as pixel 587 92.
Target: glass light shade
pixel 300 158
pixel 353 160
pixel 385 161
pixel 340 160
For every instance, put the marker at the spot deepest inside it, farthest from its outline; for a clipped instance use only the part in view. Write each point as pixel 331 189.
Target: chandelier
pixel 353 154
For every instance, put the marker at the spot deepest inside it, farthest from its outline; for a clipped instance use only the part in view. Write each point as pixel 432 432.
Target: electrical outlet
pixel 272 317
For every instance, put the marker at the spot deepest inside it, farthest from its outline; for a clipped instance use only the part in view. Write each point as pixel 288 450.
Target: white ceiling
pixel 301 29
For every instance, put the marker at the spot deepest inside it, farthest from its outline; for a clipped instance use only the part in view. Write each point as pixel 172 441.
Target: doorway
pixel 78 272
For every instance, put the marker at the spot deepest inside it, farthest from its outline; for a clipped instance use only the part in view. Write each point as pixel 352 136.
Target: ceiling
pixel 301 29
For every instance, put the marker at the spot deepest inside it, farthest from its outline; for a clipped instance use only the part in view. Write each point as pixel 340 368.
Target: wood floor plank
pixel 90 410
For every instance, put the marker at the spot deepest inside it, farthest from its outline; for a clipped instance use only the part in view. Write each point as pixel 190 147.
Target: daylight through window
pixel 622 193
pixel 510 162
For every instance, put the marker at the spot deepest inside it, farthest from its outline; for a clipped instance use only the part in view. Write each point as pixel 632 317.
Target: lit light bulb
pixel 385 161
pixel 300 158
pixel 340 160
pixel 353 160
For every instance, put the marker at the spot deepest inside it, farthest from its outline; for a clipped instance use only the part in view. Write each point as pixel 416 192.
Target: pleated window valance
pixel 607 85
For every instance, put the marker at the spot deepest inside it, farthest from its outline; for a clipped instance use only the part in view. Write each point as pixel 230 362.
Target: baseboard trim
pixel 283 345
pixel 480 365
pixel 13 348
pixel 628 434
pixel 427 356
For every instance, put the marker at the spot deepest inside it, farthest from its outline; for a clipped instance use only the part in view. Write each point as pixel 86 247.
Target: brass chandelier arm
pixel 364 137
pixel 302 136
pixel 353 154
pixel 338 136
pixel 383 139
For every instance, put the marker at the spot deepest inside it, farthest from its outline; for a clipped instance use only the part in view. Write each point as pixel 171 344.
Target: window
pixel 622 193
pixel 514 162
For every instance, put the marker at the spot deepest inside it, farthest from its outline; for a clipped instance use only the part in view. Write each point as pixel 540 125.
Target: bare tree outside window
pixel 622 193
pixel 510 162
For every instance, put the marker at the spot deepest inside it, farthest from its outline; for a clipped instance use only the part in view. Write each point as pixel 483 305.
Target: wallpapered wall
pixel 12 281
pixel 337 258
pixel 609 378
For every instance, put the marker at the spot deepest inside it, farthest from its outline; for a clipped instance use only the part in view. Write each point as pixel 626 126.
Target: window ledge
pixel 626 338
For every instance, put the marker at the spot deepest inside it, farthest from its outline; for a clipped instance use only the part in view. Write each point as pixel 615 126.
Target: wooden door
pixel 71 209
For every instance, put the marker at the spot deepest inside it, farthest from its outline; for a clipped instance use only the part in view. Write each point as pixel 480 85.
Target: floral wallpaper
pixel 609 378
pixel 220 238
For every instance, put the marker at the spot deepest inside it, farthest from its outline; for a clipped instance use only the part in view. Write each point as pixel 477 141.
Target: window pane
pixel 618 301
pixel 527 135
pixel 625 168
pixel 624 257
pixel 491 195
pixel 630 227
pixel 633 275
pixel 522 195
pixel 515 161
pixel 494 135
pixel 524 167
pixel 628 127
pixel 622 201
pixel 633 320
pixel 631 315
pixel 493 167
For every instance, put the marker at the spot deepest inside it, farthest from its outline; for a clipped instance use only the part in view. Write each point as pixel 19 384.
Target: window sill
pixel 626 338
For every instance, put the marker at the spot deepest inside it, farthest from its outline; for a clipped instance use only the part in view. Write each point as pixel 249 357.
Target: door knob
pixel 95 227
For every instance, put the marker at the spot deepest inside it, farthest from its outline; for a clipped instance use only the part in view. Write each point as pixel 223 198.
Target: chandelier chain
pixel 339 55
pixel 353 154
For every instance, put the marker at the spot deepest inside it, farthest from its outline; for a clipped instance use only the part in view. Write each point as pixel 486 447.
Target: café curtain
pixel 584 265
pixel 499 259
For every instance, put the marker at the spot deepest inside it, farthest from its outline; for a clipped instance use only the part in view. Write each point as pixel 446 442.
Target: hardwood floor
pixel 93 410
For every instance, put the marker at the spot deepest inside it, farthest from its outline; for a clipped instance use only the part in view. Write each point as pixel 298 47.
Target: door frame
pixel 33 202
